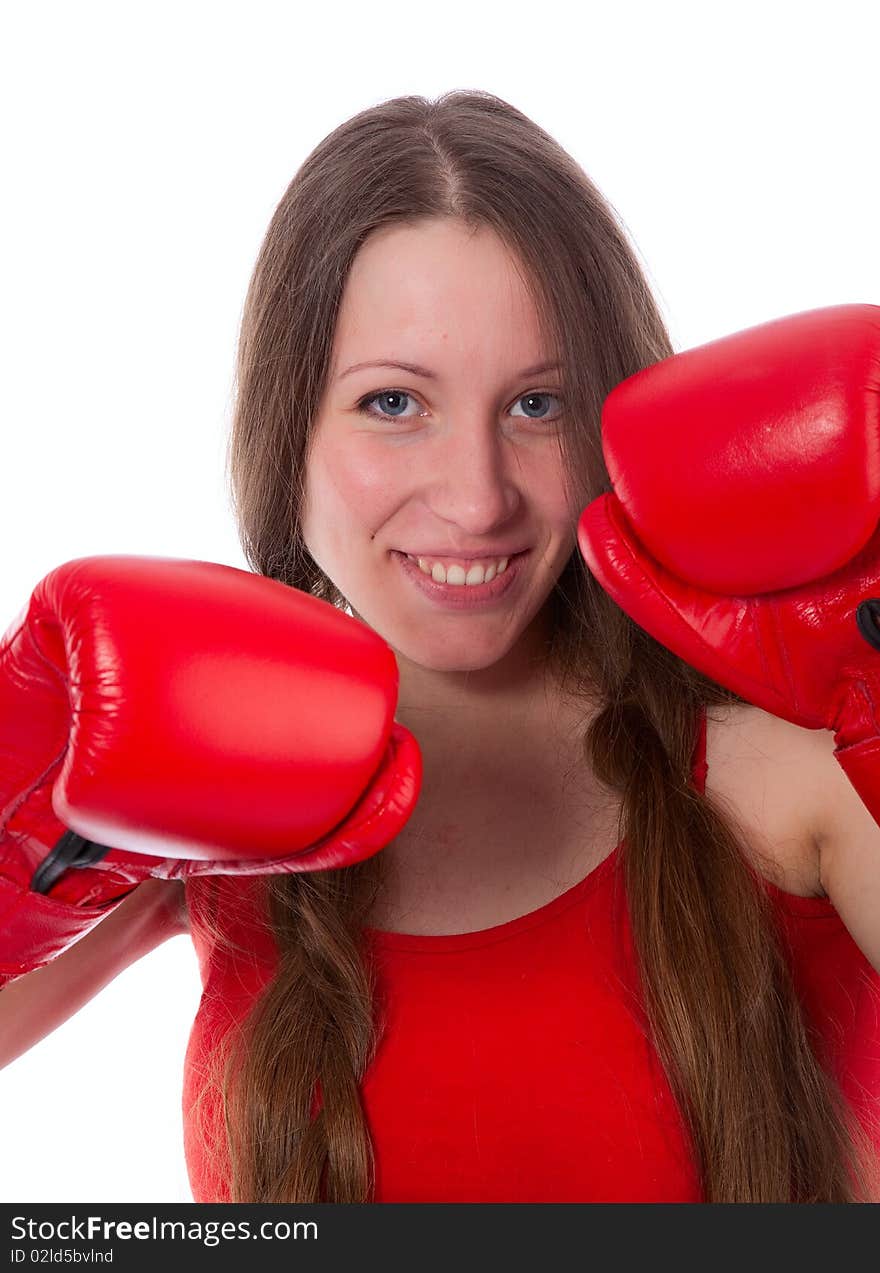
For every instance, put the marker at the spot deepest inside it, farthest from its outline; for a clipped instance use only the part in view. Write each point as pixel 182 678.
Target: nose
pixel 473 482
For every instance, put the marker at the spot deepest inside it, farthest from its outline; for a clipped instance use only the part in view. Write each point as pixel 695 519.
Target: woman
pixel 458 236
pixel 589 968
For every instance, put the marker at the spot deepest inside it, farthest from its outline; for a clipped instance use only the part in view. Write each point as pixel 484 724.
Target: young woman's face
pixel 457 463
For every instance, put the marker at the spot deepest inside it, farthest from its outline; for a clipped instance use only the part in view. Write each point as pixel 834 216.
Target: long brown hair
pixel 767 1121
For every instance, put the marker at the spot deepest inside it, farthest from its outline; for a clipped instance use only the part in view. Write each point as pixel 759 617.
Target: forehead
pixel 437 292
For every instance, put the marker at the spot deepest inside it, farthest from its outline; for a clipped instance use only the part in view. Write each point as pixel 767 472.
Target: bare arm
pixel 36 1003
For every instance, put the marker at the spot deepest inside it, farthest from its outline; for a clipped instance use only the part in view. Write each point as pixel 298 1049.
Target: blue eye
pixel 365 404
pixel 530 397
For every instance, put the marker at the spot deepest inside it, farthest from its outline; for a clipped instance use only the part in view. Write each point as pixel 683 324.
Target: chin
pixel 451 655
pixel 451 663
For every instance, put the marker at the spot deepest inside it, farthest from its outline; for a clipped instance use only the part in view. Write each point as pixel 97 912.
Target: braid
pixel 719 996
pixel 317 1035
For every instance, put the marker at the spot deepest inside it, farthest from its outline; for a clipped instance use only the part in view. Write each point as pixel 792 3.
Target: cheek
pixel 552 498
pixel 348 491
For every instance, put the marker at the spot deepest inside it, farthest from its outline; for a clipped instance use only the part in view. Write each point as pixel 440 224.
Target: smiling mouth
pixel 462 590
pixel 461 571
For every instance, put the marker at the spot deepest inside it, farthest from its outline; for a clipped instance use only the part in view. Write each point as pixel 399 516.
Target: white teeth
pixel 456 574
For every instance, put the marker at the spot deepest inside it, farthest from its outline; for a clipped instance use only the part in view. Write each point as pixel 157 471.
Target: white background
pixel 145 148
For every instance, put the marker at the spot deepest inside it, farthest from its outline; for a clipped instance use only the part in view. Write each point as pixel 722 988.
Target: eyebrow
pixel 415 370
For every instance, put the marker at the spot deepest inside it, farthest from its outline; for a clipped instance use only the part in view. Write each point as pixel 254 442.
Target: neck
pixel 482 724
pixel 507 799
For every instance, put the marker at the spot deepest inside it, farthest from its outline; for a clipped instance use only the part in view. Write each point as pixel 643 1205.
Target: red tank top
pixel 515 1063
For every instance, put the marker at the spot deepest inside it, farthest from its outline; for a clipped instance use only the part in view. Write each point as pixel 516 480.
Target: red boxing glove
pixel 209 720
pixel 742 531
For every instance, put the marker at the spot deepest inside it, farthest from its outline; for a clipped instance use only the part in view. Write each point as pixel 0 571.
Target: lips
pixel 485 554
pixel 462 596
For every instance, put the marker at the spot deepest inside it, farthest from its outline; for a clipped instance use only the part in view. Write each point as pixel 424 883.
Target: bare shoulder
pixel 759 774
